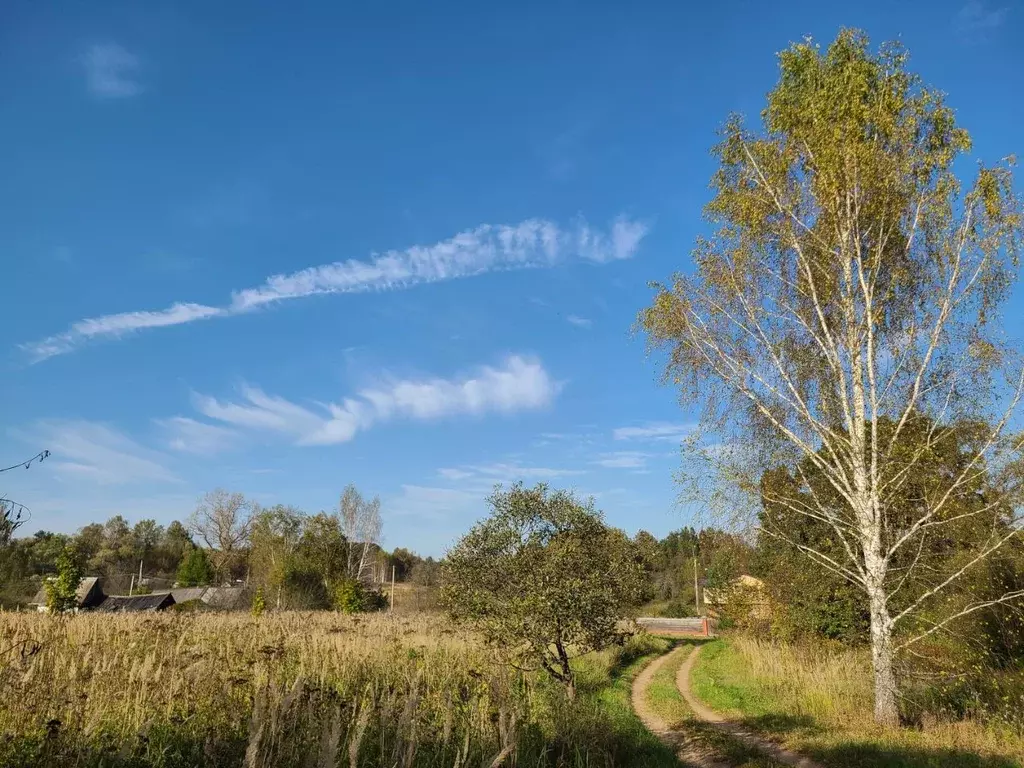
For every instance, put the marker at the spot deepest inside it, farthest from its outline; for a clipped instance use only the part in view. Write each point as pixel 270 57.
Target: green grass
pixel 662 694
pixel 720 680
pixel 664 698
pixel 603 716
pixel 819 704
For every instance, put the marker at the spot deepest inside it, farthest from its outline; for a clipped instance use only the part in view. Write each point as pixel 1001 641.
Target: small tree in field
pixel 543 579
pixel 195 569
pixel 842 321
pixel 62 591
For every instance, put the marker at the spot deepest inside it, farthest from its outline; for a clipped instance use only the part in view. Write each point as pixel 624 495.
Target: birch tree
pixel 273 542
pixel 850 288
pixel 361 524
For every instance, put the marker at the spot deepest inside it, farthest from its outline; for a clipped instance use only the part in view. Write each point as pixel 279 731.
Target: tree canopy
pixel 543 578
pixel 852 281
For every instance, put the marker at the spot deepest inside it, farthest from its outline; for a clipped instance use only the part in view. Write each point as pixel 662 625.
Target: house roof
pixel 135 603
pixel 84 593
pixel 746 584
pixel 226 598
pixel 184 594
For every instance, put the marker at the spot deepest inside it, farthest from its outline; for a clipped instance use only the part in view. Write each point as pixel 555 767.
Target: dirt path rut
pixel 734 729
pixel 685 748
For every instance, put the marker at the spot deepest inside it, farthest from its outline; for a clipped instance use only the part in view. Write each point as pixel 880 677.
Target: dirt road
pixel 734 729
pixel 688 749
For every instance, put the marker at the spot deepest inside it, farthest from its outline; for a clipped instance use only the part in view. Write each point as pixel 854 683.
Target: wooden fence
pixel 688 626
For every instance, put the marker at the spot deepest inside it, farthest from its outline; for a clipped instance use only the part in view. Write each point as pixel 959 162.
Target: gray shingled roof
pixel 89 593
pixel 136 603
pixel 227 598
pixel 185 594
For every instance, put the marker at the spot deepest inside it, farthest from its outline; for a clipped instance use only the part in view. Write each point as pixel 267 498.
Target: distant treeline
pixel 299 560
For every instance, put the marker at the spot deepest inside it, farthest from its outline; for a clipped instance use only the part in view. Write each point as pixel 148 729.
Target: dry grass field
pixel 291 689
pixel 223 689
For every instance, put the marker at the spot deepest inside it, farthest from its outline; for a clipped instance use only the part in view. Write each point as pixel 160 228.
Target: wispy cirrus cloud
pixel 117 325
pixel 976 19
pixel 623 460
pixel 97 452
pixel 654 430
pixel 579 322
pixel 111 72
pixel 530 244
pixel 190 436
pixel 480 479
pixel 518 384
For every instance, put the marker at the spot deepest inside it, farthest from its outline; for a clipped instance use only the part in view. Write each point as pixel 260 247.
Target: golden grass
pixel 309 690
pixel 820 701
pixel 223 689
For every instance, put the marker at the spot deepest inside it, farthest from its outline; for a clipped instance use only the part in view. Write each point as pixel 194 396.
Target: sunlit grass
pixel 300 689
pixel 664 699
pixel 820 702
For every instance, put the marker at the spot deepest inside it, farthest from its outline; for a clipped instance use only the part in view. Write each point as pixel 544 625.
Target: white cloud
pixel 622 243
pixel 261 411
pixel 118 325
pixel 486 475
pixel 488 248
pixel 976 18
pixel 111 72
pixel 191 436
pixel 579 322
pixel 654 431
pixel 623 460
pixel 99 453
pixel 452 473
pixel 509 472
pixel 518 384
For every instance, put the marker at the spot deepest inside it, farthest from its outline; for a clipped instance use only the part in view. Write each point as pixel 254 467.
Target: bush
pixel 678 609
pixel 374 600
pixel 640 644
pixel 259 604
pixel 351 596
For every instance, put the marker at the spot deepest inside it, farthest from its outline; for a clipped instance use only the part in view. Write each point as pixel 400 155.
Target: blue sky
pixel 282 248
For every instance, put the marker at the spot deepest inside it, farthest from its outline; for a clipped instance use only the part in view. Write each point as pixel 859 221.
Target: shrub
pixel 258 603
pixel 351 596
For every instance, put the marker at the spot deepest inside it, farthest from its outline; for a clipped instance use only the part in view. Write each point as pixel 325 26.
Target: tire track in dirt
pixel 686 749
pixel 730 727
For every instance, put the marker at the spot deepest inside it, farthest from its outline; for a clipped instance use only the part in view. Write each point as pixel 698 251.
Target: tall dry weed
pixel 169 689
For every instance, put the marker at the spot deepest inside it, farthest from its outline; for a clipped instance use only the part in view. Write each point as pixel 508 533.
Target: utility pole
pixel 696 587
pixel 392 588
pixel 140 572
pixel 131 586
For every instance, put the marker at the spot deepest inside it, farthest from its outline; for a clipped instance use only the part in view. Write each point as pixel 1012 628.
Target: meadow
pixel 315 690
pixel 818 700
pixel 298 689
